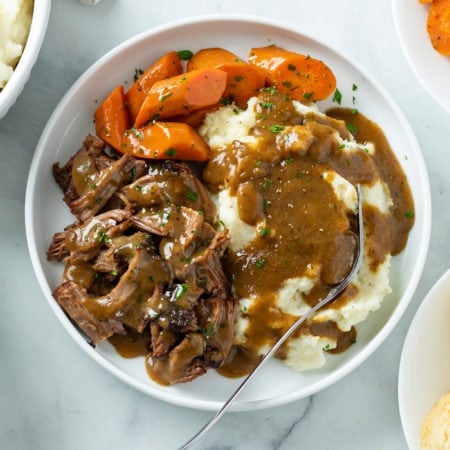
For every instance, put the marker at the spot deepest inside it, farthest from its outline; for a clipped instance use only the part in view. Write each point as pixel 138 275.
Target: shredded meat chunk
pixel 143 256
pixel 71 296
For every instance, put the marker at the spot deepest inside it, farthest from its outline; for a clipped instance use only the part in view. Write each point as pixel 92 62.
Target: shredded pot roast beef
pixel 143 261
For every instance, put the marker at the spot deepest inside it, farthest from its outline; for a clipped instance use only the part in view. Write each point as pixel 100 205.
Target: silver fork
pixel 332 294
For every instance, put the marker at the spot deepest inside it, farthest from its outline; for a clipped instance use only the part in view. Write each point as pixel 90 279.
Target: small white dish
pixel 431 68
pixel 424 374
pixel 16 84
pixel 45 212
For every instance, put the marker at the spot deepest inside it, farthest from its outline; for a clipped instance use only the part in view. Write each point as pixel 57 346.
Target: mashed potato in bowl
pixel 15 21
pixel 282 175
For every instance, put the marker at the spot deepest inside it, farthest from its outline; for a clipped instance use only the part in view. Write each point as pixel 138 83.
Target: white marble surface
pixel 53 396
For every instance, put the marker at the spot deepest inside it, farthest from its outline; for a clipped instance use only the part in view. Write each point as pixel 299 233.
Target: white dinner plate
pixel 424 374
pixel 72 120
pixel 431 68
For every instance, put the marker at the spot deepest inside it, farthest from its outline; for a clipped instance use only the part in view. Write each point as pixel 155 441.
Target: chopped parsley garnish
pixel 270 89
pixel 102 236
pixel 409 214
pixel 337 97
pixel 185 54
pixel 276 128
pixel 260 262
pixel 208 330
pixel 264 231
pixel 267 105
pixel 164 97
pixel 352 128
pixel 266 184
pixel 170 152
pixel 191 195
pixel 137 133
pixel 181 290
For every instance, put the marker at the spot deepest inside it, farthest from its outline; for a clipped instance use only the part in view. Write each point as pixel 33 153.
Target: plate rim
pixel 357 359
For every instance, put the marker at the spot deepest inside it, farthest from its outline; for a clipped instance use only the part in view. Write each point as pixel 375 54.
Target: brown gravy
pixel 305 225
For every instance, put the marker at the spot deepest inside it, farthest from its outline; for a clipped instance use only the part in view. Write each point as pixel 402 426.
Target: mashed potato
pixel 15 21
pixel 307 350
pixel 436 427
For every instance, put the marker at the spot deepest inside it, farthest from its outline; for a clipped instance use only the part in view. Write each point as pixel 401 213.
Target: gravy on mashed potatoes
pixel 15 21
pixel 282 176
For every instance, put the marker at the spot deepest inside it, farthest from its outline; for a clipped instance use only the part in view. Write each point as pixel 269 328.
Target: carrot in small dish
pixel 438 26
pixel 165 140
pixel 244 80
pixel 300 76
pixel 182 94
pixel 111 118
pixel 167 66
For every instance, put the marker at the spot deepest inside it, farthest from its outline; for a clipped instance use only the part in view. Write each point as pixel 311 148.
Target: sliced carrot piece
pixel 438 26
pixel 165 140
pixel 182 94
pixel 302 77
pixel 196 118
pixel 167 66
pixel 425 1
pixel 111 118
pixel 244 80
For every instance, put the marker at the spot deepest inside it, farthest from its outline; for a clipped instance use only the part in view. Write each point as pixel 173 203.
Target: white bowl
pixel 431 68
pixel 15 85
pixel 72 120
pixel 424 374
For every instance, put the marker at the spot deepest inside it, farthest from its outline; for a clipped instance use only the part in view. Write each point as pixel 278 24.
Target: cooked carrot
pixel 244 80
pixel 425 1
pixel 111 118
pixel 438 26
pixel 195 118
pixel 165 140
pixel 167 66
pixel 182 94
pixel 302 77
